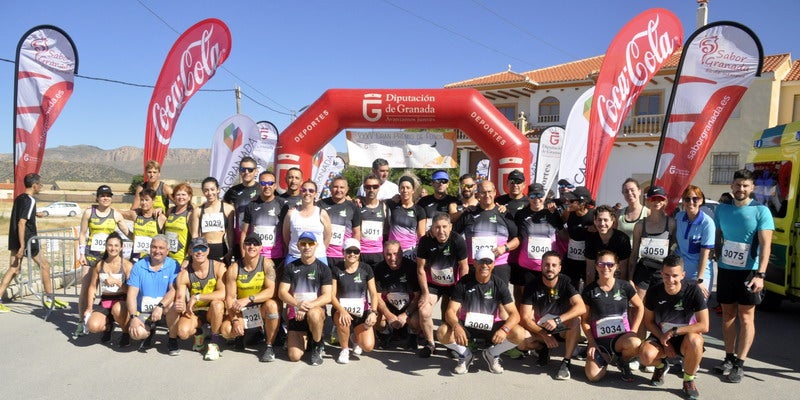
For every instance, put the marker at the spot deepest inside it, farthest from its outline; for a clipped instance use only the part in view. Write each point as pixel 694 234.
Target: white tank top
pixel 299 224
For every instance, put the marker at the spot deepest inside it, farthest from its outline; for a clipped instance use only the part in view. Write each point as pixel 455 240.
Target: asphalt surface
pixel 41 361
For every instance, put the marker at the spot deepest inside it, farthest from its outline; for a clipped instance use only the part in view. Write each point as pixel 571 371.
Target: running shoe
pixel 725 367
pixel 172 347
pixel 60 304
pixel 543 356
pixel 427 351
pixel 463 363
pixel 268 355
pixel 199 340
pixel 357 350
pixel 658 374
pixel 411 342
pixel 625 368
pixel 80 330
pixel 492 362
pixel 316 354
pixel 736 374
pixel 107 334
pixel 125 340
pixel 344 356
pixel 690 390
pixel 148 342
pixel 4 308
pixel 563 371
pixel 212 354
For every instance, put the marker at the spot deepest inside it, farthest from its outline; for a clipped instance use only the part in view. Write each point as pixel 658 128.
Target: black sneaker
pixel 725 367
pixel 427 350
pixel 238 343
pixel 172 347
pixel 384 339
pixel 316 354
pixel 107 334
pixel 658 374
pixel 268 355
pixel 735 376
pixel 148 342
pixel 125 340
pixel 625 369
pixel 411 342
pixel 543 356
pixel 690 390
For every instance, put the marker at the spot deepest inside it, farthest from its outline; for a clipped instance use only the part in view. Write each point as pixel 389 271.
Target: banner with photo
pixel 326 165
pixel 718 64
pixel 45 70
pixel 403 149
pixel 549 158
pixel 236 137
pixel 573 152
pixel 264 151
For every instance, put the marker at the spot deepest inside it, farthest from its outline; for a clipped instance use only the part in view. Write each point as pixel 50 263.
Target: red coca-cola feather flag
pixel 192 61
pixel 638 51
pixel 45 69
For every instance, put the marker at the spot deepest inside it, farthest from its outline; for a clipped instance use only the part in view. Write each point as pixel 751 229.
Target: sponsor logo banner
pixel 573 154
pixel 237 137
pixel 547 163
pixel 402 149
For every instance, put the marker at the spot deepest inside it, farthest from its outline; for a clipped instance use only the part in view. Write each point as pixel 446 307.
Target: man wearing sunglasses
pixel 439 201
pixel 374 222
pixel 388 189
pixel 305 289
pixel 515 199
pixel 264 216
pixel 345 219
pixel 467 199
pixel 241 194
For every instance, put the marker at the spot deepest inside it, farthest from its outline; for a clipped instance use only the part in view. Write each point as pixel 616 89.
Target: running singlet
pixel 537 233
pixel 486 229
pixel 98 230
pixel 144 229
pixel 250 283
pixel 547 301
pixel 202 286
pixel 608 311
pixel 653 247
pixel 176 228
pixel 160 201
pixel 299 224
pixel 213 222
pixel 265 219
pixel 111 291
pixel 372 224
pixel 351 289
pixel 480 302
pixel 403 224
pixel 674 310
pixel 344 217
pixel 441 259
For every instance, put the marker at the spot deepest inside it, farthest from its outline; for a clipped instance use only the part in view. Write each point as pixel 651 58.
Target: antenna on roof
pixel 509 67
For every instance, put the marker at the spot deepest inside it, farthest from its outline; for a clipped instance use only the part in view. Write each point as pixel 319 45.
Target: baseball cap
pixel 580 193
pixel 565 183
pixel 104 189
pixel 198 241
pixel 536 188
pixel 656 191
pixel 483 254
pixel 307 236
pixel 253 239
pixel 440 175
pixel 516 175
pixel 350 243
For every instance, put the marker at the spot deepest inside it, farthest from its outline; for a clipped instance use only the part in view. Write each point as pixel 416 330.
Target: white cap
pixel 348 243
pixel 484 253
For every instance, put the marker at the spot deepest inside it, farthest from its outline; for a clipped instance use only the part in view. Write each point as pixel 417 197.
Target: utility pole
pixel 238 92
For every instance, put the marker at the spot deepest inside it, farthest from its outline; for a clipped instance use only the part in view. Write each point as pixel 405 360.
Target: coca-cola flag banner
pixel 236 137
pixel 549 158
pixel 264 152
pixel 573 152
pixel 718 64
pixel 638 51
pixel 191 62
pixel 45 69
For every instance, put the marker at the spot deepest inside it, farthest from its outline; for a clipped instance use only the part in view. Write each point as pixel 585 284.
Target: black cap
pixel 565 183
pixel 580 193
pixel 252 239
pixel 516 175
pixel 656 191
pixel 536 188
pixel 104 189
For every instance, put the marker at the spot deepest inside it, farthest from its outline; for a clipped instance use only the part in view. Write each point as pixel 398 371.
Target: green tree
pixel 135 182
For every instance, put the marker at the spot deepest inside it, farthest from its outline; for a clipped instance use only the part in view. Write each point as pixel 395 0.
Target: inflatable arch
pixel 465 109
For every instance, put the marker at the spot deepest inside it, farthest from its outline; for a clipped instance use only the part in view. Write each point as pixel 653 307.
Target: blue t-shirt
pixel 152 284
pixel 740 227
pixel 692 237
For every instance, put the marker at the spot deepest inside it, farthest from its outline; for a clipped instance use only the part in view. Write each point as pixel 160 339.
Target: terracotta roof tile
pixel 771 63
pixel 493 79
pixel 794 73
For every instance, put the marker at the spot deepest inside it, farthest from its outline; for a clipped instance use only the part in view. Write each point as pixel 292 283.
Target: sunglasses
pixel 308 190
pixel 536 196
pixel 352 251
pixel 251 244
pixel 199 248
pixel 514 181
pixel 468 186
pixel 442 181
pixel 484 261
pixel 246 169
pixel 608 265
pixel 306 243
pixel 371 187
pixel 267 183
pixel 692 199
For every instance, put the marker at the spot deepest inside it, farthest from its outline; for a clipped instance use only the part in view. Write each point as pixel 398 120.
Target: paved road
pixel 40 361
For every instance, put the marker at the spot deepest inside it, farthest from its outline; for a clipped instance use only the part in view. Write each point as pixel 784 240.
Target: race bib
pixel 141 244
pixel 372 230
pixel 480 321
pixel 610 326
pixel 149 303
pixel 481 242
pixel 537 246
pixel 443 276
pixel 105 287
pixel 735 254
pixel 354 306
pixel 127 249
pixel 575 250
pixel 398 300
pixel 337 235
pixel 653 248
pixel 252 317
pixel 665 326
pixel 213 222
pixel 98 242
pixel 266 234
pixel 172 241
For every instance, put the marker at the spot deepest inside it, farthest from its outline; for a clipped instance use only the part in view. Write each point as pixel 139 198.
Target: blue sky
pixel 285 54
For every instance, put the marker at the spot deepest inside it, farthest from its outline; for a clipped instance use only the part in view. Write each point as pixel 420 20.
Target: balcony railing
pixel 547 119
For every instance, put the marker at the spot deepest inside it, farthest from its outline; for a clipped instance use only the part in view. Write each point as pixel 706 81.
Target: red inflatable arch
pixel 465 109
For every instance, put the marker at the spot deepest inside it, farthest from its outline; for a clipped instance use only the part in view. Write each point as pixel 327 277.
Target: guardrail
pixel 59 249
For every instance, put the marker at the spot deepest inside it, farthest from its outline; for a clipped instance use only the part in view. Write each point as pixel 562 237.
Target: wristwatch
pixel 252 298
pixel 761 275
pixel 674 331
pixel 700 280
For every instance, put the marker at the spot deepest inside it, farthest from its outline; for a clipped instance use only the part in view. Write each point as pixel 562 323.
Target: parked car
pixel 61 209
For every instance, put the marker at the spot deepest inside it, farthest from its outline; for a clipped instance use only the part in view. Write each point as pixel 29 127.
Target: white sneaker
pixel 344 356
pixel 634 364
pixel 357 350
pixel 463 363
pixel 212 354
pixel 492 362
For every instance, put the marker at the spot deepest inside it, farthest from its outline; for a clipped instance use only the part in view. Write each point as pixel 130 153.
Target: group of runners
pixel 514 274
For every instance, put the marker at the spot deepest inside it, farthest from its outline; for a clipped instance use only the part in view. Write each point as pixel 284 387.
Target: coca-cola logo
pixel 198 63
pixel 644 54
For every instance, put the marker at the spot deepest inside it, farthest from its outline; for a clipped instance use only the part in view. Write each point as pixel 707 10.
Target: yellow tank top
pixel 250 283
pixel 177 230
pixel 202 286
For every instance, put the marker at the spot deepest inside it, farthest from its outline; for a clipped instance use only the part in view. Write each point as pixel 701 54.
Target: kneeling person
pixel 201 283
pixel 474 311
pixel 396 281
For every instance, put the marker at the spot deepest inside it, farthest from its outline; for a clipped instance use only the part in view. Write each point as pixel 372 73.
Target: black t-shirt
pixel 512 205
pixel 609 308
pixel 24 208
pixel 481 298
pixel 619 243
pixel 442 257
pixel 306 278
pixel 674 310
pixel 240 196
pixel 353 285
pixel 397 287
pixel 432 205
pixel 546 300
